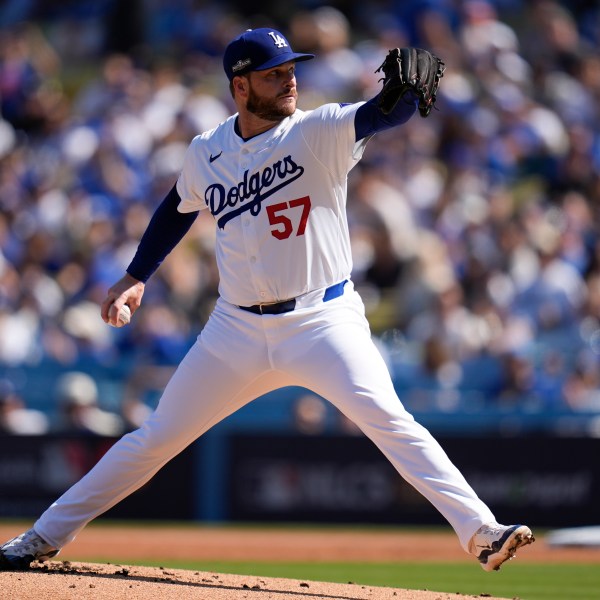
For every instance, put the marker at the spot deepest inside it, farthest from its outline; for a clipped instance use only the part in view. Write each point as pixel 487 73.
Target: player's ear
pixel 240 85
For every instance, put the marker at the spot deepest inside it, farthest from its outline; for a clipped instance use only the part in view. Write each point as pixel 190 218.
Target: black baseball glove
pixel 407 69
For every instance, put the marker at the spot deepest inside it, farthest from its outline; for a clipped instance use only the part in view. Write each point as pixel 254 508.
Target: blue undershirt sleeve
pixel 165 230
pixel 369 119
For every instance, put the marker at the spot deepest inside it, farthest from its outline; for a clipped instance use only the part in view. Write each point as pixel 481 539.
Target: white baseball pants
pixel 323 346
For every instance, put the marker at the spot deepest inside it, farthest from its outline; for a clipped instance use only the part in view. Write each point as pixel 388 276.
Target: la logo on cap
pixel 257 50
pixel 278 39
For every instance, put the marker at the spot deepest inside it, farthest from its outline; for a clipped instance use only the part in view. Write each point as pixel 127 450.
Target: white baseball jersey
pixel 279 202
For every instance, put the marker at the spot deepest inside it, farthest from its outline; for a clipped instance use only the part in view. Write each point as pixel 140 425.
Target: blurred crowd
pixel 475 232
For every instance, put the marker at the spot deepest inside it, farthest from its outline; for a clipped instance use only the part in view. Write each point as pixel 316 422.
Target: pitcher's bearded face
pixel 272 94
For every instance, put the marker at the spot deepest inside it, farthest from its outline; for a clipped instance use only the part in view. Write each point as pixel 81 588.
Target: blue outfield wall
pixel 544 481
pixel 230 475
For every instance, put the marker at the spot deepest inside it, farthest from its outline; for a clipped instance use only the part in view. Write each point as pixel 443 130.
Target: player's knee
pixel 148 441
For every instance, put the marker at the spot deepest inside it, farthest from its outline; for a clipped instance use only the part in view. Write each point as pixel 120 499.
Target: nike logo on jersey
pixel 212 158
pixel 249 193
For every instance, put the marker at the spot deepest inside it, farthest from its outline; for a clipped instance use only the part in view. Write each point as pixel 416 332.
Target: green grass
pixel 526 581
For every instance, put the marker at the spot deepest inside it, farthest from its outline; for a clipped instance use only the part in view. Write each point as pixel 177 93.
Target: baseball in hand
pixel 124 316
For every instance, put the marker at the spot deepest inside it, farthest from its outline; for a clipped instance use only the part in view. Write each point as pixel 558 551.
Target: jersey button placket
pixel 255 265
pixel 248 230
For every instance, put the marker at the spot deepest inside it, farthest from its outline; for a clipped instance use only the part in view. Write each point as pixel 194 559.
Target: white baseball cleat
pixel 17 554
pixel 494 544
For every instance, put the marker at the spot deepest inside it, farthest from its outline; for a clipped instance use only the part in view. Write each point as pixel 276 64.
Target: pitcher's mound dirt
pixel 82 581
pixel 106 543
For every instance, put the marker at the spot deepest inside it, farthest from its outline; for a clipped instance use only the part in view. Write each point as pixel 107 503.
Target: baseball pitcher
pixel 273 178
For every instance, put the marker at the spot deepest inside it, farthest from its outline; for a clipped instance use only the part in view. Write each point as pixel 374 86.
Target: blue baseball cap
pixel 257 50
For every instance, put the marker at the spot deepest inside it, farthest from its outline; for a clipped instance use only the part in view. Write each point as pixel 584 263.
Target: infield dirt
pixel 70 578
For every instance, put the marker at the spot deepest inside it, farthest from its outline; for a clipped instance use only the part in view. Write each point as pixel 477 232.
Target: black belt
pixel 277 308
